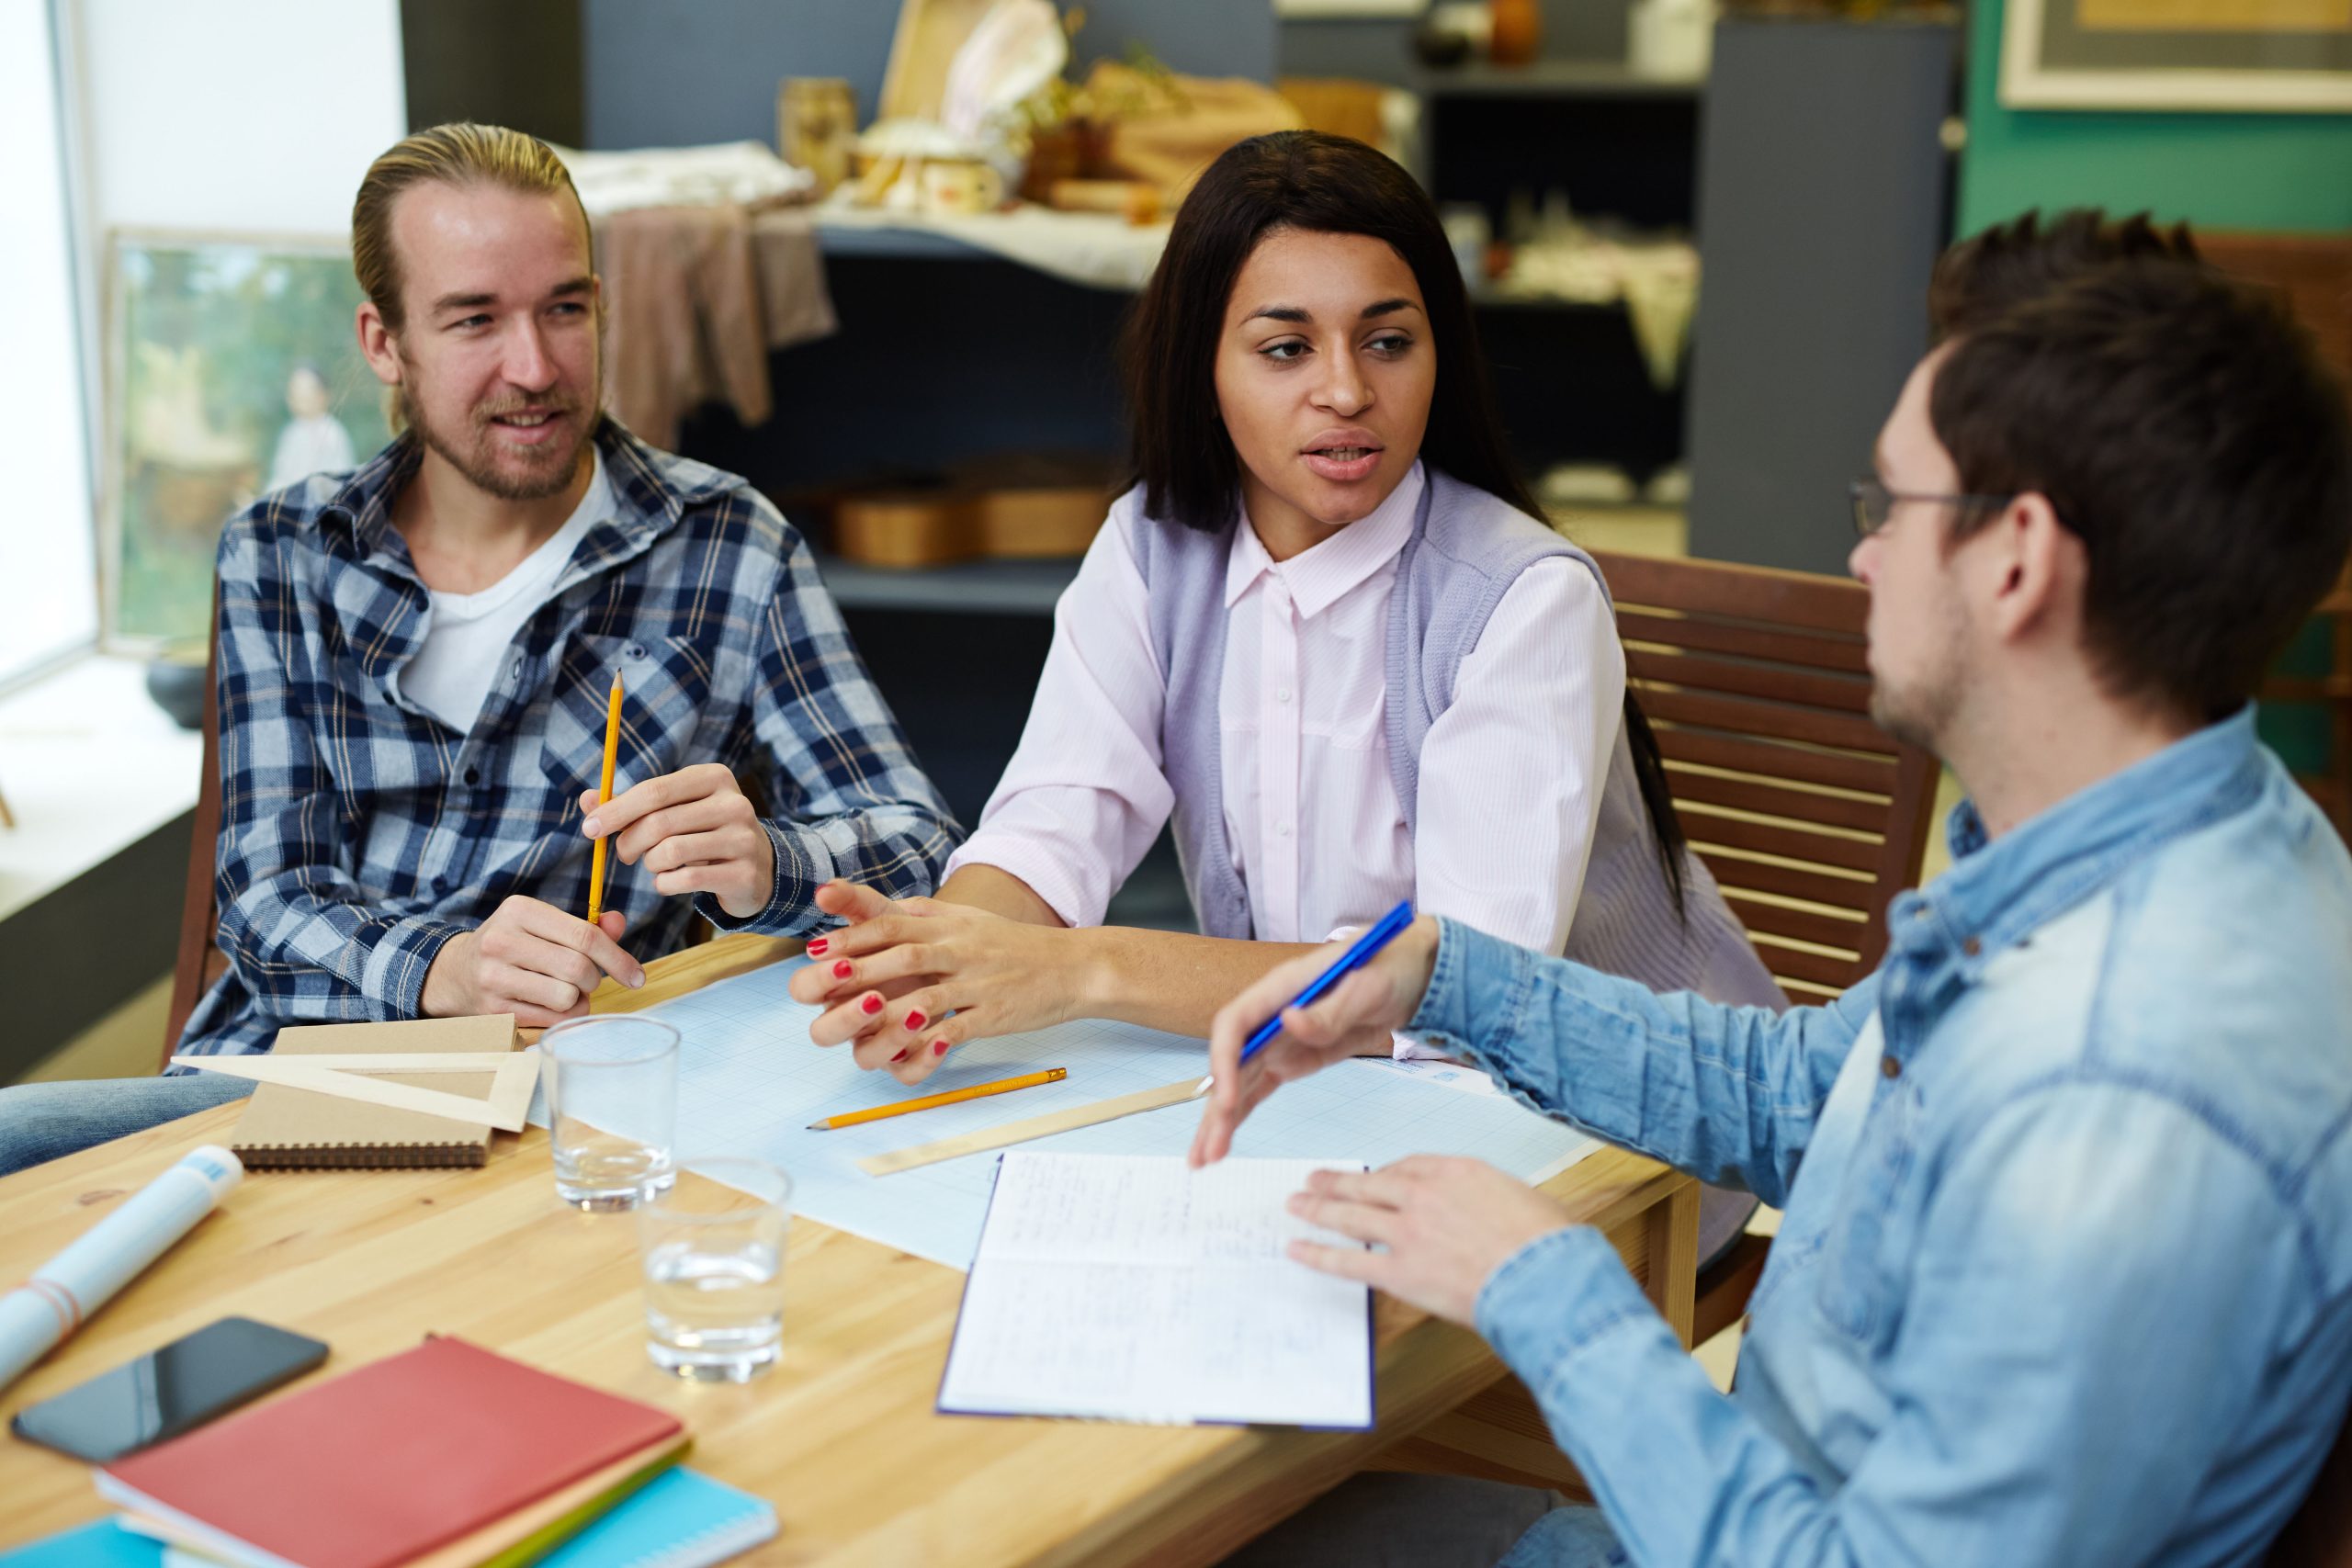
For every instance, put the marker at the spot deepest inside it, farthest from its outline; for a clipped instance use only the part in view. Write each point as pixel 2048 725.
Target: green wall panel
pixel 2281 172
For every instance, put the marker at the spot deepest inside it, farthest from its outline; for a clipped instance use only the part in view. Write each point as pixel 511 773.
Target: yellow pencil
pixel 1027 1080
pixel 603 793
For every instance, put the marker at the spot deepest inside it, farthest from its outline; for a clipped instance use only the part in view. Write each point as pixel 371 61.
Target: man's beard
pixel 1899 720
pixel 540 474
pixel 1921 712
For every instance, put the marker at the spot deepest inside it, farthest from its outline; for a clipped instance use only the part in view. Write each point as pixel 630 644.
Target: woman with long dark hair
pixel 1329 631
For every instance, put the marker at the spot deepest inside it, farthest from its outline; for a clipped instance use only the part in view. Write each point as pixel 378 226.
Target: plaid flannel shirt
pixel 358 833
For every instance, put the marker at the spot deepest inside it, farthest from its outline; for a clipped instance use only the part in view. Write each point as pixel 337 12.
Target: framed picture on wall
pixel 2278 56
pixel 231 370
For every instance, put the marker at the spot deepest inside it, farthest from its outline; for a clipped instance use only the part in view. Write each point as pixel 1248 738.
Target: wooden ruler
pixel 1020 1132
pixel 512 1076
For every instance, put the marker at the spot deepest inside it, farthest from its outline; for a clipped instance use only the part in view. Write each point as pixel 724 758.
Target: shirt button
pixel 473 776
pixel 1971 947
pixel 1282 830
pixel 635 650
pixel 1282 694
pixel 1890 1066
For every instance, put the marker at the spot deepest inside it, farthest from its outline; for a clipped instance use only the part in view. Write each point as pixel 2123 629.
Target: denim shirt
pixel 2065 1272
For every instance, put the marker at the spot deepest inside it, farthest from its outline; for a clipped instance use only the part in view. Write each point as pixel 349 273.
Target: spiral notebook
pixel 285 1127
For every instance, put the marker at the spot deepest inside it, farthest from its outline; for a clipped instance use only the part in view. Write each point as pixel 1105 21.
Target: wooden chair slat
pixel 1814 650
pixel 1752 592
pixel 1773 682
pixel 1777 800
pixel 1764 917
pixel 1773 839
pixel 1794 882
pixel 1789 963
pixel 1744 716
pixel 1774 759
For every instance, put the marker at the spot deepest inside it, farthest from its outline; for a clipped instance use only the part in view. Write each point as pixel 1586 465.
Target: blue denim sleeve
pixel 1727 1093
pixel 294 920
pixel 849 799
pixel 2043 1408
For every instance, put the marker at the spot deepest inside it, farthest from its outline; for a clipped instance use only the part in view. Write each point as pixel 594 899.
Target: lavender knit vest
pixel 1465 550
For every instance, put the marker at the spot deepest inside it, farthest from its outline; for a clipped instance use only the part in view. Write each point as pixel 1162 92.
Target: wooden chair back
pixel 201 960
pixel 1810 817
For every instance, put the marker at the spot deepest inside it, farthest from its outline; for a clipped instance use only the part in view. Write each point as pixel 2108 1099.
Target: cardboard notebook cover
pixel 289 1127
pixel 386 1464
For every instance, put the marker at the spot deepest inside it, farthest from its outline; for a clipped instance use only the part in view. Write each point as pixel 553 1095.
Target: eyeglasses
pixel 1874 504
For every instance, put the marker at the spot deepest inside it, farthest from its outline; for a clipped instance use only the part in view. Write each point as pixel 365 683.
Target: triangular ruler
pixel 514 1074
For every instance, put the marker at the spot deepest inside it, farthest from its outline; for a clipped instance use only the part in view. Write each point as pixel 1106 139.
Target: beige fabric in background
pixel 695 298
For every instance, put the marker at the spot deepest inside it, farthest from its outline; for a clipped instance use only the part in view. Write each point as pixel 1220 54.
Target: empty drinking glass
pixel 612 1083
pixel 713 1253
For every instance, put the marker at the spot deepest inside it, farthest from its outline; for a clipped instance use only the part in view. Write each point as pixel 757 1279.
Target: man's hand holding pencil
pixel 696 830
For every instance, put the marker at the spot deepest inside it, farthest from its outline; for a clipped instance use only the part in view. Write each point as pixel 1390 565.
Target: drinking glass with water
pixel 713 1253
pixel 612 1083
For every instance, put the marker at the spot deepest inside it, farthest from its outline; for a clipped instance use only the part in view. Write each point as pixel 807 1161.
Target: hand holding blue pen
pixel 1371 942
pixel 1317 1039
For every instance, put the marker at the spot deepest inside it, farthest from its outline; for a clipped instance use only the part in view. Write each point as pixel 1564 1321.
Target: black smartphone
pixel 170 1390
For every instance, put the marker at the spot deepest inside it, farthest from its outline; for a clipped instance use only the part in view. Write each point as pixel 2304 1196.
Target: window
pixel 49 602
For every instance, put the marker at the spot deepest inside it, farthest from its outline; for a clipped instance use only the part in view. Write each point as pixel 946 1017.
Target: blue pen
pixel 1355 958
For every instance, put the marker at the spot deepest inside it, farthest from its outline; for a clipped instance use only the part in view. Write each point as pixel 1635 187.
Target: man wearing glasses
pixel 2065 1272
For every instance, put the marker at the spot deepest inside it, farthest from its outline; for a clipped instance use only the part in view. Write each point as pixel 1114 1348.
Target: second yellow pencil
pixel 1001 1086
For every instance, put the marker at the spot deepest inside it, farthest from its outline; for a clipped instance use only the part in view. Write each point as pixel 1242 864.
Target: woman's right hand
pixel 907 981
pixel 1354 1019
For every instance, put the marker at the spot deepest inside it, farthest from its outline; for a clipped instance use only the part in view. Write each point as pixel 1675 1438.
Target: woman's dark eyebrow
pixel 1292 313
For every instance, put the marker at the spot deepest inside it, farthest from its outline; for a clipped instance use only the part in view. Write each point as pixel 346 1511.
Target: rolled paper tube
pixel 63 1293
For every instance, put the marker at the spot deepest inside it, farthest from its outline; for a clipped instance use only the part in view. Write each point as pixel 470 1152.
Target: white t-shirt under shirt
pixel 467 634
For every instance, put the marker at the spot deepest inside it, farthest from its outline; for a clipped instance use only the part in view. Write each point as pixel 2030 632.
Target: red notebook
pixel 387 1462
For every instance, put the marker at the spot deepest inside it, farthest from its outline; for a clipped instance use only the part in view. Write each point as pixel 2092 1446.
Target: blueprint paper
pixel 749 1082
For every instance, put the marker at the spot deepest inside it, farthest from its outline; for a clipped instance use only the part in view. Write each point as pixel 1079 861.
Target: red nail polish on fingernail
pixel 816 948
pixel 902 1053
pixel 871 1003
pixel 939 1047
pixel 915 1020
pixel 841 969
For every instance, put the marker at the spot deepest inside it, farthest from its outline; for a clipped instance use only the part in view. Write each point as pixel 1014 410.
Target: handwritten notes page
pixel 1127 1288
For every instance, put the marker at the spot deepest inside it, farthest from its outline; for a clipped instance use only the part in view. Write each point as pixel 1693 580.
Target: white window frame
pixel 36 578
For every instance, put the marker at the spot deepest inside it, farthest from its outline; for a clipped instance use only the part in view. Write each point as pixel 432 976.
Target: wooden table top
pixel 842 1436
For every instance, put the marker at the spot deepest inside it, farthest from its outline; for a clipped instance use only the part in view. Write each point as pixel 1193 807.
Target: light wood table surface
pixel 842 1436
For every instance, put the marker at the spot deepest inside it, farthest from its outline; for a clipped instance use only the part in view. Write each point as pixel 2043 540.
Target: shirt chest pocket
pixel 1859 1276
pixel 665 693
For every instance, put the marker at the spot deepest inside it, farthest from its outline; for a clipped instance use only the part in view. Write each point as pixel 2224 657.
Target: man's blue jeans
pixel 42 1121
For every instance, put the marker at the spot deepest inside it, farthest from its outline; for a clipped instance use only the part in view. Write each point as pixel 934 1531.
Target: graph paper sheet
pixel 749 1082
